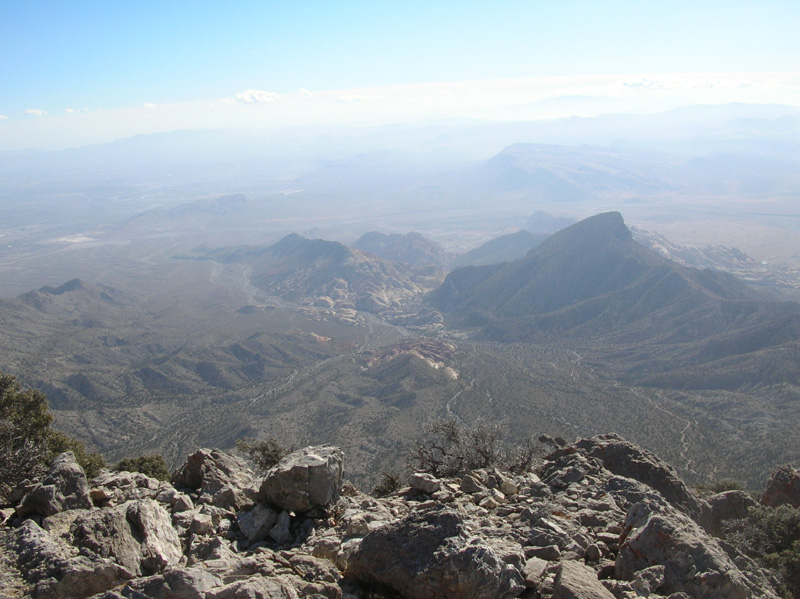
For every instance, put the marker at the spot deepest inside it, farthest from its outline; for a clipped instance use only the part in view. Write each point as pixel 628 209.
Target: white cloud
pixel 35 112
pixel 305 92
pixel 71 111
pixel 3 117
pixel 256 96
pixel 149 105
pixel 350 98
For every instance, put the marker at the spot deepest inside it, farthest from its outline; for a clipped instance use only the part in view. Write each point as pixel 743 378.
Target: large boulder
pixel 620 457
pixel 57 570
pixel 305 479
pixel 138 535
pixel 783 488
pixel 429 555
pixel 730 505
pixel 576 581
pixel 693 562
pixel 220 478
pixel 177 583
pixel 64 488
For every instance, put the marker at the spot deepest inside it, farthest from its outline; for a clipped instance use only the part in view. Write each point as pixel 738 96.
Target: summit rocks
pixel 600 518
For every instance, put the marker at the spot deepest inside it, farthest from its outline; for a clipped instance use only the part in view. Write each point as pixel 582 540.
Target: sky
pixel 83 72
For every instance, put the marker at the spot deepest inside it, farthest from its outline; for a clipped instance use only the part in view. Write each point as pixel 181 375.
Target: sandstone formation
pixel 599 519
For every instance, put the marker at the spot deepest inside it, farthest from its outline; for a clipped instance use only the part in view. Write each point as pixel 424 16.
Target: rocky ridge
pixel 600 518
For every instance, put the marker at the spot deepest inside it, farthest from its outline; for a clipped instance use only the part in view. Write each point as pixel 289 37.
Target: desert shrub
pixel 771 536
pixel 154 466
pixel 448 447
pixel 388 484
pixel 719 486
pixel 265 454
pixel 27 443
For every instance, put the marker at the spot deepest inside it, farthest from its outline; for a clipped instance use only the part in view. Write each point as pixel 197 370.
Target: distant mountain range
pixel 593 281
pixel 330 274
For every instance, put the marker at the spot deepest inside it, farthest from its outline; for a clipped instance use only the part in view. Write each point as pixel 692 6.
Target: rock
pixel 304 480
pixel 256 524
pixel 471 484
pixel 59 571
pixel 138 535
pixel 646 582
pixel 256 587
pixel 182 503
pixel 201 524
pixel 693 562
pixel 783 488
pixel 113 488
pixel 576 581
pixel 593 553
pixel 177 583
pixel 64 488
pixel 534 572
pixel 428 555
pixel 729 505
pixel 626 459
pixel 555 536
pixel 221 478
pixel 280 532
pixel 550 553
pixel 422 481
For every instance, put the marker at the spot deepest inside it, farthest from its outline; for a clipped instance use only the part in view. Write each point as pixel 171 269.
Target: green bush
pixel 27 443
pixel 265 454
pixel 719 486
pixel 154 466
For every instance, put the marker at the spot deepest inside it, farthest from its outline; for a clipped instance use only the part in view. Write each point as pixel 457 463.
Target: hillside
pixel 587 333
pixel 411 248
pixel 505 248
pixel 593 281
pixel 330 274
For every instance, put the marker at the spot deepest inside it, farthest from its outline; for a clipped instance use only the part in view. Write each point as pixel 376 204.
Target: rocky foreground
pixel 600 518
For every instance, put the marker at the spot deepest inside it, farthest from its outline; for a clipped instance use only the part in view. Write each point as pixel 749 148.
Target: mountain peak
pixel 604 223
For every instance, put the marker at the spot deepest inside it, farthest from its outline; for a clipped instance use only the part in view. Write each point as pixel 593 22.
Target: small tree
pixel 449 446
pixel 27 443
pixel 265 454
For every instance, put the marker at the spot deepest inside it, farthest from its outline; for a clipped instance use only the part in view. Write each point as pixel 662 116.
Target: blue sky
pixel 162 65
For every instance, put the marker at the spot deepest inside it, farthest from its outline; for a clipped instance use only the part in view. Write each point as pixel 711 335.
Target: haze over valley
pixel 336 225
pixel 169 291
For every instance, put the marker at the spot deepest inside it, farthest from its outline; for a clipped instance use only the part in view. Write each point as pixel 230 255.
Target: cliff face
pixel 599 518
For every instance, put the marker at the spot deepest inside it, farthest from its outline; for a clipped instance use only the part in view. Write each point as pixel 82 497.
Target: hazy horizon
pixel 86 74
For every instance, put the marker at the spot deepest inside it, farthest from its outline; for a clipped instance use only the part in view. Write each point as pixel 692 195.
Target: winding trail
pixel 683 441
pixel 448 407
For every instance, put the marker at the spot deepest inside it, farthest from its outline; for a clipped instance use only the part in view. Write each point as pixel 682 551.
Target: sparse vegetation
pixel 771 536
pixel 449 446
pixel 154 466
pixel 265 454
pixel 388 484
pixel 719 486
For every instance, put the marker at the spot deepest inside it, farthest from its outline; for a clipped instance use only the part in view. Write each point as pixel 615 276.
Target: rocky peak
pixel 599 518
